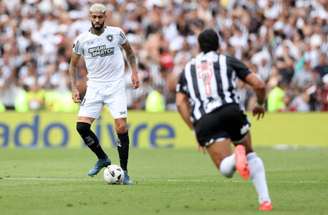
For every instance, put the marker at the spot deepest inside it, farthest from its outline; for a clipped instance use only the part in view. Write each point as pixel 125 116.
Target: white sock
pixel 227 166
pixel 258 178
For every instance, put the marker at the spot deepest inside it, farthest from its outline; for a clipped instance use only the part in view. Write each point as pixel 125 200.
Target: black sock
pixel 123 150
pixel 90 139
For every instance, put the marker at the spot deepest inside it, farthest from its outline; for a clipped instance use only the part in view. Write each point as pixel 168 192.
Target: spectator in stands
pixel 277 97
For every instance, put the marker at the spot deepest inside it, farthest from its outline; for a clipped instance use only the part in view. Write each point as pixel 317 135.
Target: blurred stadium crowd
pixel 284 41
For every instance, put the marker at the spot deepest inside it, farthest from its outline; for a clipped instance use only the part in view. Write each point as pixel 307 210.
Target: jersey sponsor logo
pixel 101 51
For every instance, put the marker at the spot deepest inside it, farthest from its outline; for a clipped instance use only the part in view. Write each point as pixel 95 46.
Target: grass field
pixel 168 181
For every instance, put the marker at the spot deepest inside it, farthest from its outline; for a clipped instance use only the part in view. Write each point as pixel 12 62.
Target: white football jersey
pixel 102 54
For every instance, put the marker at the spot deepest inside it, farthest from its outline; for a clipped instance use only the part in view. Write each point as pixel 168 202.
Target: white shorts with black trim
pixel 112 94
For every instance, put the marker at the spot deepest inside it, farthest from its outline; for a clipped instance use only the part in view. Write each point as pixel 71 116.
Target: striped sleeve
pixel 239 67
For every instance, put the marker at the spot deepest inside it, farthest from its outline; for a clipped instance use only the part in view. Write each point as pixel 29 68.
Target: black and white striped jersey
pixel 209 81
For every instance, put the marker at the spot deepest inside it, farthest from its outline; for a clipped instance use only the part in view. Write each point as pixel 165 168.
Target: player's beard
pixel 99 27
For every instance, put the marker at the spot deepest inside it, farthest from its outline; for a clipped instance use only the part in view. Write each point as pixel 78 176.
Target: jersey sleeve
pixel 239 67
pixel 122 37
pixel 77 47
pixel 182 84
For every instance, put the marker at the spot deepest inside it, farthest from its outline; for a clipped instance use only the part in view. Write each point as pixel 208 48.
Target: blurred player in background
pixel 101 49
pixel 207 101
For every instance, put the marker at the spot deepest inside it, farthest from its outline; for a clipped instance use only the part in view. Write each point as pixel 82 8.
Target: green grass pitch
pixel 168 181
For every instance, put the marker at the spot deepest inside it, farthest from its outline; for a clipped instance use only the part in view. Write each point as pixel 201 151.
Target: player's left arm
pixel 254 81
pixel 132 59
pixel 184 109
pixel 182 100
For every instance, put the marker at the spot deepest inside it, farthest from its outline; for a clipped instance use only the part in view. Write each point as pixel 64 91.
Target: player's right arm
pixel 182 101
pixel 184 108
pixel 72 69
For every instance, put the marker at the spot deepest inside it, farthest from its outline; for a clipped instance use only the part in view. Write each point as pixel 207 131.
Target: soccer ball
pixel 113 174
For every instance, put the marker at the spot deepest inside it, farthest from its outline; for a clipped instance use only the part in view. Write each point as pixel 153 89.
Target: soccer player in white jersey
pixel 101 49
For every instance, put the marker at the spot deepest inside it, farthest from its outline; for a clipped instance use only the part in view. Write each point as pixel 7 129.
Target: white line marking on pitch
pixel 155 180
pixel 241 181
pixel 47 179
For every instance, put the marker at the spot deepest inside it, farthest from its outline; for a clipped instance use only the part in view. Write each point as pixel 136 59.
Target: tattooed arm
pixel 131 57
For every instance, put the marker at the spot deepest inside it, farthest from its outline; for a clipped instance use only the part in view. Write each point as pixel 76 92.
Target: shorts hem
pixel 215 138
pixel 88 115
pixel 119 117
pixel 212 141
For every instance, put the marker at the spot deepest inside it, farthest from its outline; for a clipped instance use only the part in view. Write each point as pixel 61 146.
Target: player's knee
pixel 121 128
pixel 226 169
pixel 226 172
pixel 82 127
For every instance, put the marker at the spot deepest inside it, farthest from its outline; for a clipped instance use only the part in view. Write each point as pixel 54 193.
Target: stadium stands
pixel 284 41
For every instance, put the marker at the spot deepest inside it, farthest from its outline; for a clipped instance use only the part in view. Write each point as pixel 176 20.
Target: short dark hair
pixel 208 40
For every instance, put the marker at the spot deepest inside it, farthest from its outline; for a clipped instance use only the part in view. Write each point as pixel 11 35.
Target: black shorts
pixel 228 121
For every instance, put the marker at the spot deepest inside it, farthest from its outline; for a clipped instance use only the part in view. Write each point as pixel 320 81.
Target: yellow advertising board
pixel 48 129
pixel 152 130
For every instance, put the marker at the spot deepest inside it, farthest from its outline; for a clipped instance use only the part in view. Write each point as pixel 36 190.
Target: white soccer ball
pixel 113 174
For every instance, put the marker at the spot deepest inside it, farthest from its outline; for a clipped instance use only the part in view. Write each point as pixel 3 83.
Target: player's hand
pixel 76 95
pixel 259 111
pixel 135 80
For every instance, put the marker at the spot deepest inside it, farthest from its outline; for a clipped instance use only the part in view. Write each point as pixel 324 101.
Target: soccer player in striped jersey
pixel 100 48
pixel 208 103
